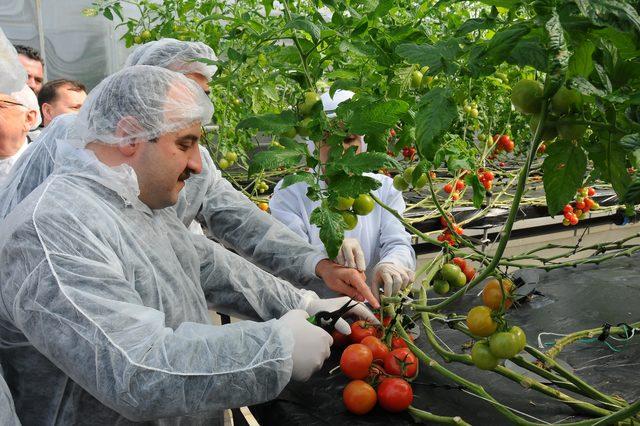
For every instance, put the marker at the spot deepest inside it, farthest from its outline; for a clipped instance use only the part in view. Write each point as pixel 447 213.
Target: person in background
pixel 33 65
pixel 60 97
pixel 105 289
pixel 378 244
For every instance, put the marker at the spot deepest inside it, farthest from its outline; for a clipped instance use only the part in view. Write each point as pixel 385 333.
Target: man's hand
pixel 346 281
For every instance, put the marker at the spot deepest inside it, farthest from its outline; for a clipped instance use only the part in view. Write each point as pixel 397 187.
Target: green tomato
pixel 303 128
pixel 526 96
pixel 350 219
pixel 137 39
pixel 474 112
pixel 231 156
pixel 459 281
pixel 424 69
pixel 566 100
pixel 521 338
pixel 421 182
pixel 262 60
pixel 363 205
pixel 399 183
pixel 416 79
pixel 310 99
pixel 223 163
pixel 482 357
pixel 344 203
pixel 504 345
pixel 441 287
pixel 450 272
pixel 236 101
pixel 467 109
pixel 290 133
pixel 408 174
pixel 146 35
pixel 502 76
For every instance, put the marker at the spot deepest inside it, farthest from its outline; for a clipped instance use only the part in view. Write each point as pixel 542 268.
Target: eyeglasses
pixel 11 103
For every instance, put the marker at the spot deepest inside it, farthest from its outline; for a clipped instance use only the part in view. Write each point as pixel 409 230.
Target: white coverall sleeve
pixel 235 286
pixel 239 224
pixel 8 416
pixel 285 206
pixel 67 293
pixel 395 241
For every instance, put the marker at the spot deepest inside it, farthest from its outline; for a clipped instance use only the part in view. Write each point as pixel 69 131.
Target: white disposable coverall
pixel 103 318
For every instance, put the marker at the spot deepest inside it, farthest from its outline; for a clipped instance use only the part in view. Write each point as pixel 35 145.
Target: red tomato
pixel 378 349
pixel 591 192
pixel 469 272
pixel 504 141
pixel 387 319
pixel 448 188
pixel 509 146
pixel 580 205
pixel 361 329
pixel 359 397
pixel 401 362
pixel 567 209
pixel 588 203
pixel 455 195
pixel 492 293
pixel 460 262
pixel 340 340
pixel 488 175
pixel 356 360
pixel 398 342
pixel 460 185
pixel 395 394
pixel 487 185
pixel 392 132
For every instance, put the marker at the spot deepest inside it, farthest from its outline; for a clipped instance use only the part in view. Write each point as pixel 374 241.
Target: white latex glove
pixel 393 277
pixel 359 311
pixel 312 345
pixel 351 255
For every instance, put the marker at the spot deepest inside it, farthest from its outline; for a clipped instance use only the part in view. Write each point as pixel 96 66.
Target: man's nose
pixel 195 161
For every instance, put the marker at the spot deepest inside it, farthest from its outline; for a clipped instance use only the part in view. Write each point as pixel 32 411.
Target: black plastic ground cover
pixel 572 299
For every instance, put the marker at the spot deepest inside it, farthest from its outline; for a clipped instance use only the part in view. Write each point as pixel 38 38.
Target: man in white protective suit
pixel 378 244
pixel 104 291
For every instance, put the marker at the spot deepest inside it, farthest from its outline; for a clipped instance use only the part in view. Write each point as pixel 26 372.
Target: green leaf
pixel 474 24
pixel 107 14
pixel 270 122
pixel 437 111
pixel 342 84
pixel 530 52
pixel 585 87
pixel 352 163
pixel 331 227
pixel 384 6
pixel 558 56
pixel 581 62
pixel 610 160
pixel 352 186
pixel 632 196
pixel 436 56
pixel 274 158
pixel 484 58
pixel 564 170
pixel 375 116
pixel 610 13
pixel 478 191
pixel 630 142
pixel 305 25
pixel 306 177
pixel 508 4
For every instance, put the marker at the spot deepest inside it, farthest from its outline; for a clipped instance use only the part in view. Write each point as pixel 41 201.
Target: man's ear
pixel 130 149
pixel 31 119
pixel 46 112
pixel 128 129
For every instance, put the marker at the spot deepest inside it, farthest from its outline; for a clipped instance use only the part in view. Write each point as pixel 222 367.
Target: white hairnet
pixel 141 102
pixel 175 55
pixel 27 98
pixel 12 73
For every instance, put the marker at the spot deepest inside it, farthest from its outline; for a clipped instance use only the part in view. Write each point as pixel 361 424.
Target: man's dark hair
pixel 49 92
pixel 29 52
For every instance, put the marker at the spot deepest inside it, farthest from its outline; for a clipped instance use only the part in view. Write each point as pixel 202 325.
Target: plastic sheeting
pixel 572 299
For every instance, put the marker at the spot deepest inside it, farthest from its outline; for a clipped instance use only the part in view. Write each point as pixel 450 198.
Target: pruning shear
pixel 327 320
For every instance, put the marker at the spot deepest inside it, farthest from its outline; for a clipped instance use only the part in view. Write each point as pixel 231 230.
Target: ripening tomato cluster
pixel 504 143
pixel 380 372
pixel 486 178
pixel 454 189
pixel 446 236
pixel 581 205
pixel 497 296
pixel 408 152
pixel 453 275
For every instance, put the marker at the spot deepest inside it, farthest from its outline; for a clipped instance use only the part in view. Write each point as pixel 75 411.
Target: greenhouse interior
pixel 277 212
